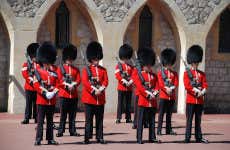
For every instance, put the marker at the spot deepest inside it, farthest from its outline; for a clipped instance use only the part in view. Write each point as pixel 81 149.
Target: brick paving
pixel 14 136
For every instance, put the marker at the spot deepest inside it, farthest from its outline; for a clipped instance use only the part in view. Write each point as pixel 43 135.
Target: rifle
pixel 164 77
pixel 137 65
pixel 193 81
pixel 29 65
pixel 92 80
pixel 67 78
pixel 124 75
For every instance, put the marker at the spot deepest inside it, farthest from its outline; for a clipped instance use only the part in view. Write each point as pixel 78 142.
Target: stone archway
pixel 81 30
pixel 4 68
pixel 217 71
pixel 164 34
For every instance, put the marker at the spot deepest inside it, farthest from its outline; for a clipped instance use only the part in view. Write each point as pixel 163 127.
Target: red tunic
pixel 201 78
pixel 49 78
pixel 152 81
pixel 74 74
pixel 126 69
pixel 100 74
pixel 25 74
pixel 173 79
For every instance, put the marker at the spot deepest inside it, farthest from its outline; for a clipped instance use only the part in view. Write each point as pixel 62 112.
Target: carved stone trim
pixel 197 11
pixel 25 8
pixel 114 10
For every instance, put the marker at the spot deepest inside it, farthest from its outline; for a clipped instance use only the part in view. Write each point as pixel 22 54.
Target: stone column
pixel 22 37
pixel 193 35
pixel 112 40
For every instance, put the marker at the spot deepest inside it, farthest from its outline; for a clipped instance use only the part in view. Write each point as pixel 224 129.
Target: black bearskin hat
pixel 46 53
pixel 168 57
pixel 194 54
pixel 125 51
pixel 146 56
pixel 69 52
pixel 94 51
pixel 32 49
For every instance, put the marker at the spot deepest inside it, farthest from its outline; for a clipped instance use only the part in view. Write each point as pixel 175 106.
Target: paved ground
pixel 14 136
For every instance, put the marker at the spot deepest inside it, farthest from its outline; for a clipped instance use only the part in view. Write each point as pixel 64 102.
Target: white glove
pixel 73 84
pixel 203 91
pixel 102 88
pixel 168 90
pixel 155 93
pixel 124 81
pixel 130 82
pixel 96 90
pixel 50 95
pixel 172 87
pixel 31 79
pixel 196 90
pixel 66 84
pixel 150 94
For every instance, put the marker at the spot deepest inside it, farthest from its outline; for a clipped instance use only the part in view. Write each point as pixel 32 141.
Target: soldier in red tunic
pixel 146 83
pixel 69 79
pixel 28 75
pixel 168 82
pixel 95 81
pixel 196 85
pixel 123 74
pixel 46 86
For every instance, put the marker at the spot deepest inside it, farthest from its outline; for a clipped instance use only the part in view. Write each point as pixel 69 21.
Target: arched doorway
pixel 4 68
pixel 155 19
pixel 217 66
pixel 68 21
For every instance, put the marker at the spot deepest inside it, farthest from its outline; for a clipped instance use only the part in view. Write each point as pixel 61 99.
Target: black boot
pixel 86 141
pixel 102 141
pixel 129 121
pixel 202 140
pixel 59 134
pixel 52 142
pixel 25 121
pixel 171 132
pixel 118 121
pixel 37 143
pixel 187 140
pixel 154 141
pixel 75 134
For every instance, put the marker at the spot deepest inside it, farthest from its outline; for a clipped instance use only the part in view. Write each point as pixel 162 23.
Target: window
pixel 62 25
pixel 224 32
pixel 145 28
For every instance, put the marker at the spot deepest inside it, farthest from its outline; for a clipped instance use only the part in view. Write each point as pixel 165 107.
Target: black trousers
pixel 192 109
pixel 48 112
pixel 165 106
pixel 151 119
pixel 124 101
pixel 90 111
pixel 31 97
pixel 68 107
pixel 135 111
pixel 145 116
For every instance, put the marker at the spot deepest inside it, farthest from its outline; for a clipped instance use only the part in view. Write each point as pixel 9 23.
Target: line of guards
pixel 45 81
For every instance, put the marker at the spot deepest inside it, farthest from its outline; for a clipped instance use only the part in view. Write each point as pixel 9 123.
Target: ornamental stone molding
pixel 114 10
pixel 25 8
pixel 197 11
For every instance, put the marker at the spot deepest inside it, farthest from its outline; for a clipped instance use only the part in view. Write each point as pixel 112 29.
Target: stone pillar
pixel 22 37
pixel 193 36
pixel 112 40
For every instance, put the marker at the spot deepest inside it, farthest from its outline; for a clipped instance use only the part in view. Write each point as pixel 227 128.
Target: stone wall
pixel 4 67
pixel 218 76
